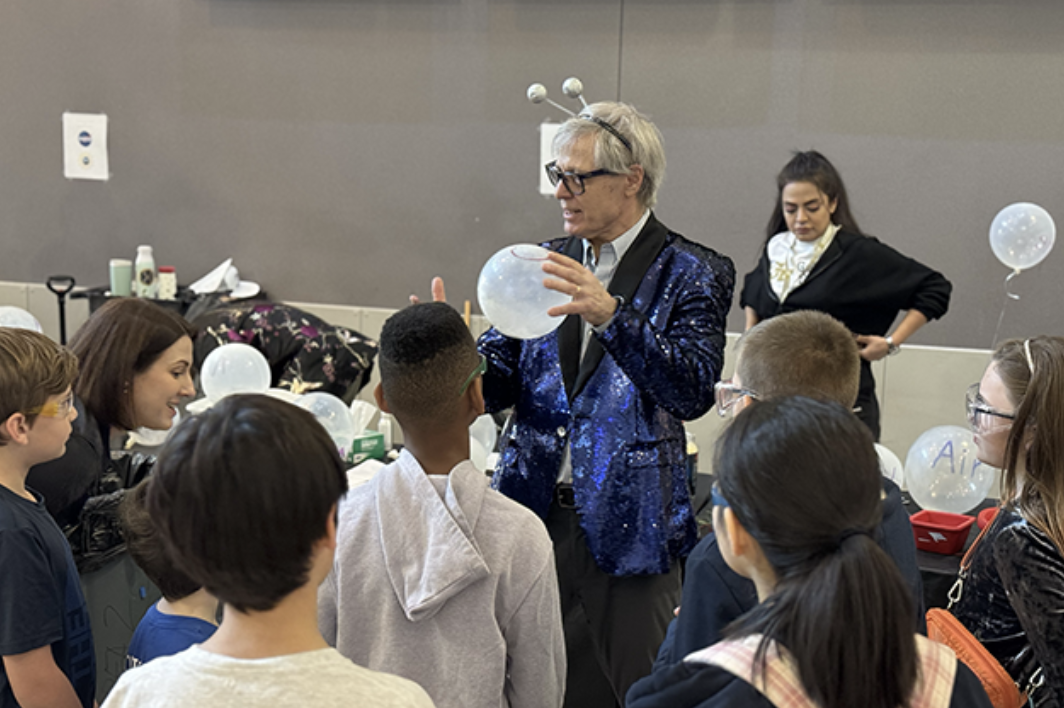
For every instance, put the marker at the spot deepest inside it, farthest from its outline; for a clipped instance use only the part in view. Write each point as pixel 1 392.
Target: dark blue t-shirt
pixel 159 634
pixel 40 596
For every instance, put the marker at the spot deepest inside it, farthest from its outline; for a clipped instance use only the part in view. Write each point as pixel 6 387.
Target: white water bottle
pixel 145 278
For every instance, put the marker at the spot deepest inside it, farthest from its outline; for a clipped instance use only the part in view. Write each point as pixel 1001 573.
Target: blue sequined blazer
pixel 622 406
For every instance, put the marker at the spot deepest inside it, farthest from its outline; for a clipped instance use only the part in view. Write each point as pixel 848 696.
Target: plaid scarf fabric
pixel 781 684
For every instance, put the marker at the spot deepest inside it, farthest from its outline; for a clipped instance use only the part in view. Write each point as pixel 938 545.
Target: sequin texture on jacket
pixel 652 367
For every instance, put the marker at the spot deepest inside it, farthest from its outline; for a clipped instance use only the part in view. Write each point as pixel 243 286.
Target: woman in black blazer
pixel 816 258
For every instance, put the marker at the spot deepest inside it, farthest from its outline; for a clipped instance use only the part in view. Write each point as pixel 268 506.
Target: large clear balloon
pixel 890 465
pixel 334 415
pixel 511 293
pixel 1022 235
pixel 483 430
pixel 234 368
pixel 943 472
pixel 11 316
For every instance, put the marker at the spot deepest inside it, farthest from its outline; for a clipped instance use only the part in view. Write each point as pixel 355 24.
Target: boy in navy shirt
pixel 186 614
pixel 45 640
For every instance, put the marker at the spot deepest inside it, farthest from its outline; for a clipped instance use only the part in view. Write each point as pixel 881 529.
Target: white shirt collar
pixel 620 245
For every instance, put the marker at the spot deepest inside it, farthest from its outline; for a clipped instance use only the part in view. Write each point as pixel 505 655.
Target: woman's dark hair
pixel 121 339
pixel 240 495
pixel 802 477
pixel 1034 453
pixel 814 168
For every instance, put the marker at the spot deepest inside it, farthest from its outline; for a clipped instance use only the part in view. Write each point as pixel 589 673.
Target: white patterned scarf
pixel 792 260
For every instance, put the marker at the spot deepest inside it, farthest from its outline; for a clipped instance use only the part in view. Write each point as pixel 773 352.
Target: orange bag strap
pixel 955 592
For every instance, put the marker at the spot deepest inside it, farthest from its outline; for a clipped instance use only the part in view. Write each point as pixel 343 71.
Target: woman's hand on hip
pixel 872 348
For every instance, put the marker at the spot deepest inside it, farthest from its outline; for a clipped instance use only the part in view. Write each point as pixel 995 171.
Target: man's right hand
pixel 439 294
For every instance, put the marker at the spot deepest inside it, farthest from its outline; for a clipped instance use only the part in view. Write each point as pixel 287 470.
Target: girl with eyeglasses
pixel 1013 597
pixel 798 501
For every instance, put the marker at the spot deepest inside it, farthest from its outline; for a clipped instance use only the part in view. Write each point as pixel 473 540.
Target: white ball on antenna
pixel 537 93
pixel 573 87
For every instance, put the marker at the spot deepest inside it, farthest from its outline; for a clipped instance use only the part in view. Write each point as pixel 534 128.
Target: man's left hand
pixel 590 300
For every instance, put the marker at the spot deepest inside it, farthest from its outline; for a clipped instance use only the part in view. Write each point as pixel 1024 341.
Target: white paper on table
pixel 213 281
pixel 85 146
pixel 547 131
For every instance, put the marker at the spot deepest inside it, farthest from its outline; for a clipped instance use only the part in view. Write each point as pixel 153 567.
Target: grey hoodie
pixel 446 582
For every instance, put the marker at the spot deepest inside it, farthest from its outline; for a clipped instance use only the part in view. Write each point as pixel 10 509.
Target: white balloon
pixel 283 394
pixel 334 416
pixel 483 430
pixel 18 318
pixel 198 406
pixel 1022 235
pixel 943 472
pixel 234 368
pixel 511 293
pixel 478 454
pixel 890 465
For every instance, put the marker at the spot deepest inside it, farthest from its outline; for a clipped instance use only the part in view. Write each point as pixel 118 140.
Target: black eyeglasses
pixel 980 414
pixel 574 181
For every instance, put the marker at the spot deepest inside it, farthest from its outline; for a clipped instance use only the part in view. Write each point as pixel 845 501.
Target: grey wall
pixel 347 150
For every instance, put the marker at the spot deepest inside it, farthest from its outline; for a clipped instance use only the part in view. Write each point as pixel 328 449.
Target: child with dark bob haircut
pixel 186 614
pixel 244 497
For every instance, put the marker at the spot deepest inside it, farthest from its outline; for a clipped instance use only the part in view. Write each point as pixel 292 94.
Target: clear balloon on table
pixel 943 473
pixel 890 466
pixel 334 415
pixel 234 368
pixel 11 316
pixel 512 296
pixel 1022 235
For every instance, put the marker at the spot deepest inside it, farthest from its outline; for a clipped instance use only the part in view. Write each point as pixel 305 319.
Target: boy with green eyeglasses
pixel 45 639
pixel 437 577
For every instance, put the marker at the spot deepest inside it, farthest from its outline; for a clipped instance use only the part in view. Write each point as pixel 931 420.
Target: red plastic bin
pixel 940 531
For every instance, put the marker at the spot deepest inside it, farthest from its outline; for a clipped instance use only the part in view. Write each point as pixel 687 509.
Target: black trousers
pixel 613 625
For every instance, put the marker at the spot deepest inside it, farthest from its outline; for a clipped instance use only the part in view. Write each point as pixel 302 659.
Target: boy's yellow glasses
pixel 54 409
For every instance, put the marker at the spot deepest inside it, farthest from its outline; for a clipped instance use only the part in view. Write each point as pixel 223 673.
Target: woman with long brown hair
pixel 1013 597
pixel 135 367
pixel 815 257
